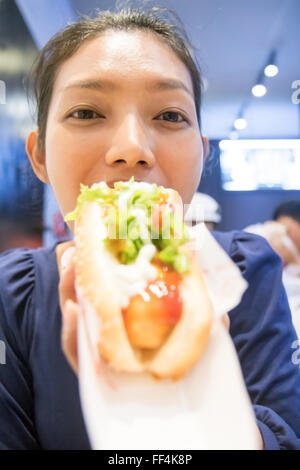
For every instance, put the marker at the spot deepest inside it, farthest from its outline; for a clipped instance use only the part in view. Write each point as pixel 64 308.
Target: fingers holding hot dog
pixel 68 303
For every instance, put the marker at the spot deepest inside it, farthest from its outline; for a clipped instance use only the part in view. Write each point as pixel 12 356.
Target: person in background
pixel 203 208
pixel 282 234
pixel 288 214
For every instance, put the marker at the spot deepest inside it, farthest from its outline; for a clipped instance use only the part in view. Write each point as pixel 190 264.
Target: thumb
pixel 69 333
pixel 226 321
pixel 66 285
pixel 66 260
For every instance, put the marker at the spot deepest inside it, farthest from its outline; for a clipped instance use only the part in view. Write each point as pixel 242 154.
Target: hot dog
pixel 134 267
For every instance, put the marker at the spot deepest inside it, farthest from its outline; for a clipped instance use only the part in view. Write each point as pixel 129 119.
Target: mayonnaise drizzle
pixel 133 278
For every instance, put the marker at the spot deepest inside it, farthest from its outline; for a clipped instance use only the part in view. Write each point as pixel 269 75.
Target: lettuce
pixel 101 193
pixel 128 219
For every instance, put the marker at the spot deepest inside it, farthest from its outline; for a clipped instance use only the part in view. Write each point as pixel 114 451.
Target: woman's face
pixel 121 106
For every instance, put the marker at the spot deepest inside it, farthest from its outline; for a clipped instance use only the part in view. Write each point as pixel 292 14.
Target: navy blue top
pixel 39 397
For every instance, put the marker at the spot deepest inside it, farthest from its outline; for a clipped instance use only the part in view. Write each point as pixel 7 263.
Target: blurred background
pixel 251 112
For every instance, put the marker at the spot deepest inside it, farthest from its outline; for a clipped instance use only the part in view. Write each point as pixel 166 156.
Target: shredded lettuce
pixel 129 221
pixel 101 193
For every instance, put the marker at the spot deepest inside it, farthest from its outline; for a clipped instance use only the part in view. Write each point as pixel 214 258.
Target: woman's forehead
pixel 124 56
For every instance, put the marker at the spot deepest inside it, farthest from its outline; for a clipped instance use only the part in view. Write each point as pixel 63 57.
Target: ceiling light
pixel 240 124
pixel 259 90
pixel 271 70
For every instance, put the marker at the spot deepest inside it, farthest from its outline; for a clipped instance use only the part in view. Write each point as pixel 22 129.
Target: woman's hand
pixel 226 321
pixel 69 306
pixel 68 303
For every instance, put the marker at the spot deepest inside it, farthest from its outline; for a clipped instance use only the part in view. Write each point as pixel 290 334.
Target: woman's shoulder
pixel 233 240
pixel 27 276
pixel 16 272
pixel 28 281
pixel 24 265
pixel 247 250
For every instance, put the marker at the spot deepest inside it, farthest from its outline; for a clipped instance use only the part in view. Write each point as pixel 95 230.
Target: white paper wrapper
pixel 208 408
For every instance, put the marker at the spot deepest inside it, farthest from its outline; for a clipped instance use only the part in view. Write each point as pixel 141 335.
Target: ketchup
pixel 150 317
pixel 166 288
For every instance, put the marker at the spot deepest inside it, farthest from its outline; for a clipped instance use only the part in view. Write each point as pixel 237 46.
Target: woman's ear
pixel 206 147
pixel 36 157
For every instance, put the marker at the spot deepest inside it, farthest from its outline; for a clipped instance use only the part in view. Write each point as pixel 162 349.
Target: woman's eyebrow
pixel 106 85
pixel 168 84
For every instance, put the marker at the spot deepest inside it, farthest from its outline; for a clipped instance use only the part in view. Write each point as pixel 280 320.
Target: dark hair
pixel 290 209
pixel 66 42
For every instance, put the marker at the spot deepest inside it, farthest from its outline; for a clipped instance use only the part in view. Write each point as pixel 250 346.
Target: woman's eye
pixel 84 114
pixel 172 116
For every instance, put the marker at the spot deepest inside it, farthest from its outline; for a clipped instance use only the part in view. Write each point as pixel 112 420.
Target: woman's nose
pixel 130 144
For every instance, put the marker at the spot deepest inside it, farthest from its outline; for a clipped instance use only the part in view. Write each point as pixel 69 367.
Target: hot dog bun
pixel 95 269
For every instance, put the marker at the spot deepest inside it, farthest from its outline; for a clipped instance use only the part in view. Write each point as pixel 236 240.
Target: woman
pixel 119 96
